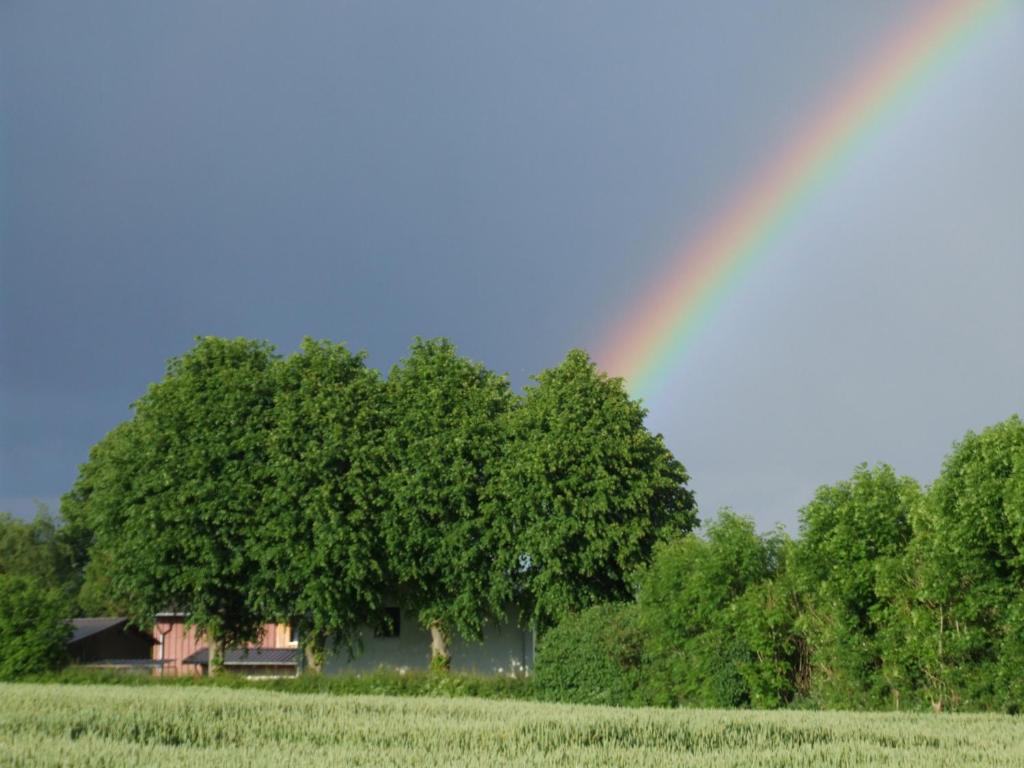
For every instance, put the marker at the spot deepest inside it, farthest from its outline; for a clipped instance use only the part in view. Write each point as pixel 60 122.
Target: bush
pixel 34 627
pixel 383 682
pixel 717 622
pixel 593 657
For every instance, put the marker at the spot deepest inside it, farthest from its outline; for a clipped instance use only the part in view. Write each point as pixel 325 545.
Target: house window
pixel 293 635
pixel 392 624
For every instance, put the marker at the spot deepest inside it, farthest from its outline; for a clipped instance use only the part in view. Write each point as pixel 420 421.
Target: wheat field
pixel 96 725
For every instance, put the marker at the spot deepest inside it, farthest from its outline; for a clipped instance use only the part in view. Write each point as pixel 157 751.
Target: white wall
pixel 505 649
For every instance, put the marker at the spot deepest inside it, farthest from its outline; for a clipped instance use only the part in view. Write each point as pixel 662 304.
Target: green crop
pixel 103 725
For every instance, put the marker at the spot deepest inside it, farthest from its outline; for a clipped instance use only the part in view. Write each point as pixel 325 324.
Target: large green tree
pixel 589 490
pixel 957 604
pixel 170 495
pixel 316 534
pixel 447 537
pixel 850 533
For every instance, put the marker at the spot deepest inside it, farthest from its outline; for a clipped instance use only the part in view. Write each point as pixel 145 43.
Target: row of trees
pixel 892 596
pixel 250 487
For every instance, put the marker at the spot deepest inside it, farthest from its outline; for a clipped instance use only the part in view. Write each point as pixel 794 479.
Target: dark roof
pixel 240 657
pixel 84 628
pixel 87 627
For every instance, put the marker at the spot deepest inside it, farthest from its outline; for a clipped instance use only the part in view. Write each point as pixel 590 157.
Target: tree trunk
pixel 314 658
pixel 440 655
pixel 215 662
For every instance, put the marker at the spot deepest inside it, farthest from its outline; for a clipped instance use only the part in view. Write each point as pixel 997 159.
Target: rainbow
pixel 656 332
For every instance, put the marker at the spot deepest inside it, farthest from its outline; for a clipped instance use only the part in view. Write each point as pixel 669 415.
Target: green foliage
pixel 774 666
pixel 849 534
pixel 440 664
pixel 593 657
pixel 381 682
pixel 323 564
pixel 448 542
pixel 590 490
pixel 34 626
pixel 170 494
pixel 958 599
pixel 36 550
pixel 248 488
pixel 718 631
pixel 96 596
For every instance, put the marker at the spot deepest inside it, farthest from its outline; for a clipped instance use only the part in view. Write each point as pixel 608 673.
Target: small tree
pixel 34 627
pixel 589 491
pixel 700 601
pixel 850 533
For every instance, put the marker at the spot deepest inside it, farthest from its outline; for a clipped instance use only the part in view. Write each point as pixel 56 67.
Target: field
pixel 97 725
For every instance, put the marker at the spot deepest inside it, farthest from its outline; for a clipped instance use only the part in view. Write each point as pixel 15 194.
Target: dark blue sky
pixel 511 175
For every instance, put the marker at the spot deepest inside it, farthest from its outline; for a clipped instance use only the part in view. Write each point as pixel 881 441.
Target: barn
pixel 108 641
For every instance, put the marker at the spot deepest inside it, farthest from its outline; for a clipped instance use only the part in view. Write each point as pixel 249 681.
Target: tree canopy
pixel 850 533
pixel 957 602
pixel 249 487
pixel 37 549
pixel 323 566
pixel 589 489
pixel 447 538
pixel 171 493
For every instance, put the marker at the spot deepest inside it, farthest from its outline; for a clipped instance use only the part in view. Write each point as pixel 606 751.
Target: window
pixel 293 635
pixel 391 625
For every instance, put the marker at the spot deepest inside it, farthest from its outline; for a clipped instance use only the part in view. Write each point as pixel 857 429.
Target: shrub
pixel 383 682
pixel 593 657
pixel 34 627
pixel 718 629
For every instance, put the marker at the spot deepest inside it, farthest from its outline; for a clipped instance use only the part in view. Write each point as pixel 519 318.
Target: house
pixel 506 649
pixel 181 650
pixel 108 641
pixel 404 644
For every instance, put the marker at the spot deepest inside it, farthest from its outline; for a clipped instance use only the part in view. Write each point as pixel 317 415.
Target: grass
pixel 107 725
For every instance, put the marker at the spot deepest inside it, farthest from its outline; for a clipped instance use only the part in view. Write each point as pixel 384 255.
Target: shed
pixel 108 641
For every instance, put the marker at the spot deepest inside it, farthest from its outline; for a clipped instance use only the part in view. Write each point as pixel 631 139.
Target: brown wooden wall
pixel 179 643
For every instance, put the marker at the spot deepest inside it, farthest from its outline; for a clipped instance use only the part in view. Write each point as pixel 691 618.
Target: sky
pixel 514 176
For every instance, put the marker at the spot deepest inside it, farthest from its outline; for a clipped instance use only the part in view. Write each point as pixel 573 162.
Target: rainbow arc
pixel 655 334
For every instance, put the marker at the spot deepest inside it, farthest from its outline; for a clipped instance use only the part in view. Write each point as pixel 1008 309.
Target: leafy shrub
pixel 34 627
pixel 380 683
pixel 717 629
pixel 593 657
